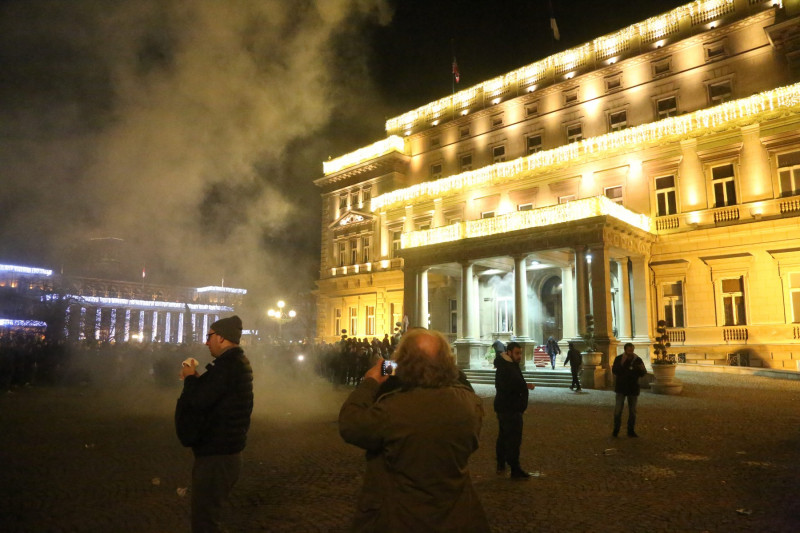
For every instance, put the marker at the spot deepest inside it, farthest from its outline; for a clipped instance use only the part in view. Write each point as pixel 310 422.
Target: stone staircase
pixel 560 377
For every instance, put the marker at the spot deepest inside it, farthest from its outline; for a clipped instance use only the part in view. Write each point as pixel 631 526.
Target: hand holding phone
pixel 388 368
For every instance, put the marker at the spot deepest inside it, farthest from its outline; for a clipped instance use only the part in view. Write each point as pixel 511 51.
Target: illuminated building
pixel 650 174
pixel 111 310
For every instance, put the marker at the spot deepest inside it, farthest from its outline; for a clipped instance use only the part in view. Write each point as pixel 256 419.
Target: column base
pixel 470 353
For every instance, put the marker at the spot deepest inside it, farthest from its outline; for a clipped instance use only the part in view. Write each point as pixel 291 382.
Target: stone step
pixel 542 378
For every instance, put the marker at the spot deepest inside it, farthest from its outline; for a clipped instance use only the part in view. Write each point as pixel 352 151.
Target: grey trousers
pixel 213 477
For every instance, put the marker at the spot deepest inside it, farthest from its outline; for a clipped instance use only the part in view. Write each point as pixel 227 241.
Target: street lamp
pixel 281 316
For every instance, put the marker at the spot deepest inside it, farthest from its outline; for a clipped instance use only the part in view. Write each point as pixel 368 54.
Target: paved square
pixel 724 456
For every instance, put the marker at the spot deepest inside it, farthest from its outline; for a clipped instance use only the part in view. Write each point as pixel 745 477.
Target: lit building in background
pixel 650 174
pixel 109 310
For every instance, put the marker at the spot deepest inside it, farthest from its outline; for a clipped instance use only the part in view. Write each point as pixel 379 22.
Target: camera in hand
pixel 388 367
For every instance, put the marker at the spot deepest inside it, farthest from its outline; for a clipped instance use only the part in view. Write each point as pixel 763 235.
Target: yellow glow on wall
pixel 518 220
pixel 392 143
pixel 728 115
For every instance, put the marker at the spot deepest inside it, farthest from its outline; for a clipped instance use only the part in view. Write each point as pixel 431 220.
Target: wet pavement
pixel 724 456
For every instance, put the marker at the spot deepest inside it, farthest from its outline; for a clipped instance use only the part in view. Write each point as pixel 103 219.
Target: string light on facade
pixel 728 115
pixel 653 29
pixel 392 143
pixel 149 304
pixel 519 220
pixel 231 290
pixel 26 270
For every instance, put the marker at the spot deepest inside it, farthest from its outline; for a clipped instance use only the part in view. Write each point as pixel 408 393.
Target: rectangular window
pixel 453 316
pixel 337 322
pixel 665 196
pixel 342 253
pixel 667 107
pixel 733 302
pixel 534 144
pixel 463 132
pixel 366 196
pixel 504 306
pixel 396 243
pixel 715 50
pixel 424 226
pixel 532 109
pixel 370 312
pixel 396 318
pixel 435 142
pixel 353 199
pixel 353 251
pixel 497 120
pixel 366 245
pixel 789 173
pixel 570 96
pixel 663 66
pixel 499 154
pixel 487 214
pixel 353 321
pixel 613 83
pixel 343 202
pixel 614 193
pixel 618 121
pixel 672 294
pixel 724 185
pixel 465 162
pixel 720 92
pixel 525 207
pixel 565 199
pixel 436 171
pixel 574 133
pixel 794 292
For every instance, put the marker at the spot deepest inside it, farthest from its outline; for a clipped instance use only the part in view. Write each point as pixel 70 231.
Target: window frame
pixel 574 137
pixel 792 169
pixel 672 112
pixel 352 316
pixel 530 150
pixel 369 312
pixel 714 182
pixel 666 192
pixel 498 158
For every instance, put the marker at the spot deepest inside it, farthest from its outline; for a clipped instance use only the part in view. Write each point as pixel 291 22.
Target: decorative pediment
pixel 350 218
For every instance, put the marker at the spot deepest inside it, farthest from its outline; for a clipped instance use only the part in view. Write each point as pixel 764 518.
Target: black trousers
pixel 213 477
pixel 509 439
pixel 576 370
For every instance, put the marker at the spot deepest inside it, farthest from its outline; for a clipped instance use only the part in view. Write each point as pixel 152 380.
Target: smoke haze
pixel 189 128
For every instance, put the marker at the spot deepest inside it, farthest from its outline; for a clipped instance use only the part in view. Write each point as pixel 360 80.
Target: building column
pixel 755 176
pixel 385 240
pixel 410 294
pixel 692 182
pixel 625 312
pixel 521 298
pixel 408 222
pixel 154 332
pixel 568 304
pixel 640 299
pixel 422 298
pixel 438 213
pixel 581 288
pixel 467 308
pixel 601 293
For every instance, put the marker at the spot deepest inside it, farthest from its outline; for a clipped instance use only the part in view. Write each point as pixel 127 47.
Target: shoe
pixel 520 474
pixel 632 434
pixel 571 387
pixel 579 390
pixel 501 470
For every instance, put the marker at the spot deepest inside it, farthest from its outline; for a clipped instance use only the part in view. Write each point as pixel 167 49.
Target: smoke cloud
pixel 189 128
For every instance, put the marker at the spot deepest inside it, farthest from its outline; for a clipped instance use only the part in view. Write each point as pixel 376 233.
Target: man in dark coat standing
pixel 510 401
pixel 628 368
pixel 213 416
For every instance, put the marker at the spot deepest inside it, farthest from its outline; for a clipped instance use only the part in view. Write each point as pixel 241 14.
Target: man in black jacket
pixel 628 368
pixel 213 416
pixel 510 401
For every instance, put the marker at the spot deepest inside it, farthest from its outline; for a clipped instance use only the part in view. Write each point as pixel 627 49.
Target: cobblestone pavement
pixel 724 456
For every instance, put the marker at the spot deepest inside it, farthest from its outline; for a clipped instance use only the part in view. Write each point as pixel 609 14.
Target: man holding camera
pixel 418 437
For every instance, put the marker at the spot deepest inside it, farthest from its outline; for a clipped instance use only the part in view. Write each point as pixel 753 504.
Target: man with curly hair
pixel 418 436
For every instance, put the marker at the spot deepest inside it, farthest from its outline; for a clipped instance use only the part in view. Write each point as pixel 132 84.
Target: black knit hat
pixel 228 328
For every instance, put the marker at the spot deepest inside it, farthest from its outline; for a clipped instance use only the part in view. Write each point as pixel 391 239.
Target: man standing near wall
pixel 510 401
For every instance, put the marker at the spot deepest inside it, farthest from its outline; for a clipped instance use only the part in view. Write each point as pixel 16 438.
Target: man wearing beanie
pixel 212 417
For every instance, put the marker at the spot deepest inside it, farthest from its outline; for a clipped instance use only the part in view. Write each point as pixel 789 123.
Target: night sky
pixel 193 129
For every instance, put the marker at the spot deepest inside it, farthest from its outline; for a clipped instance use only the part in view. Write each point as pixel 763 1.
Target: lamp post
pixel 281 316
